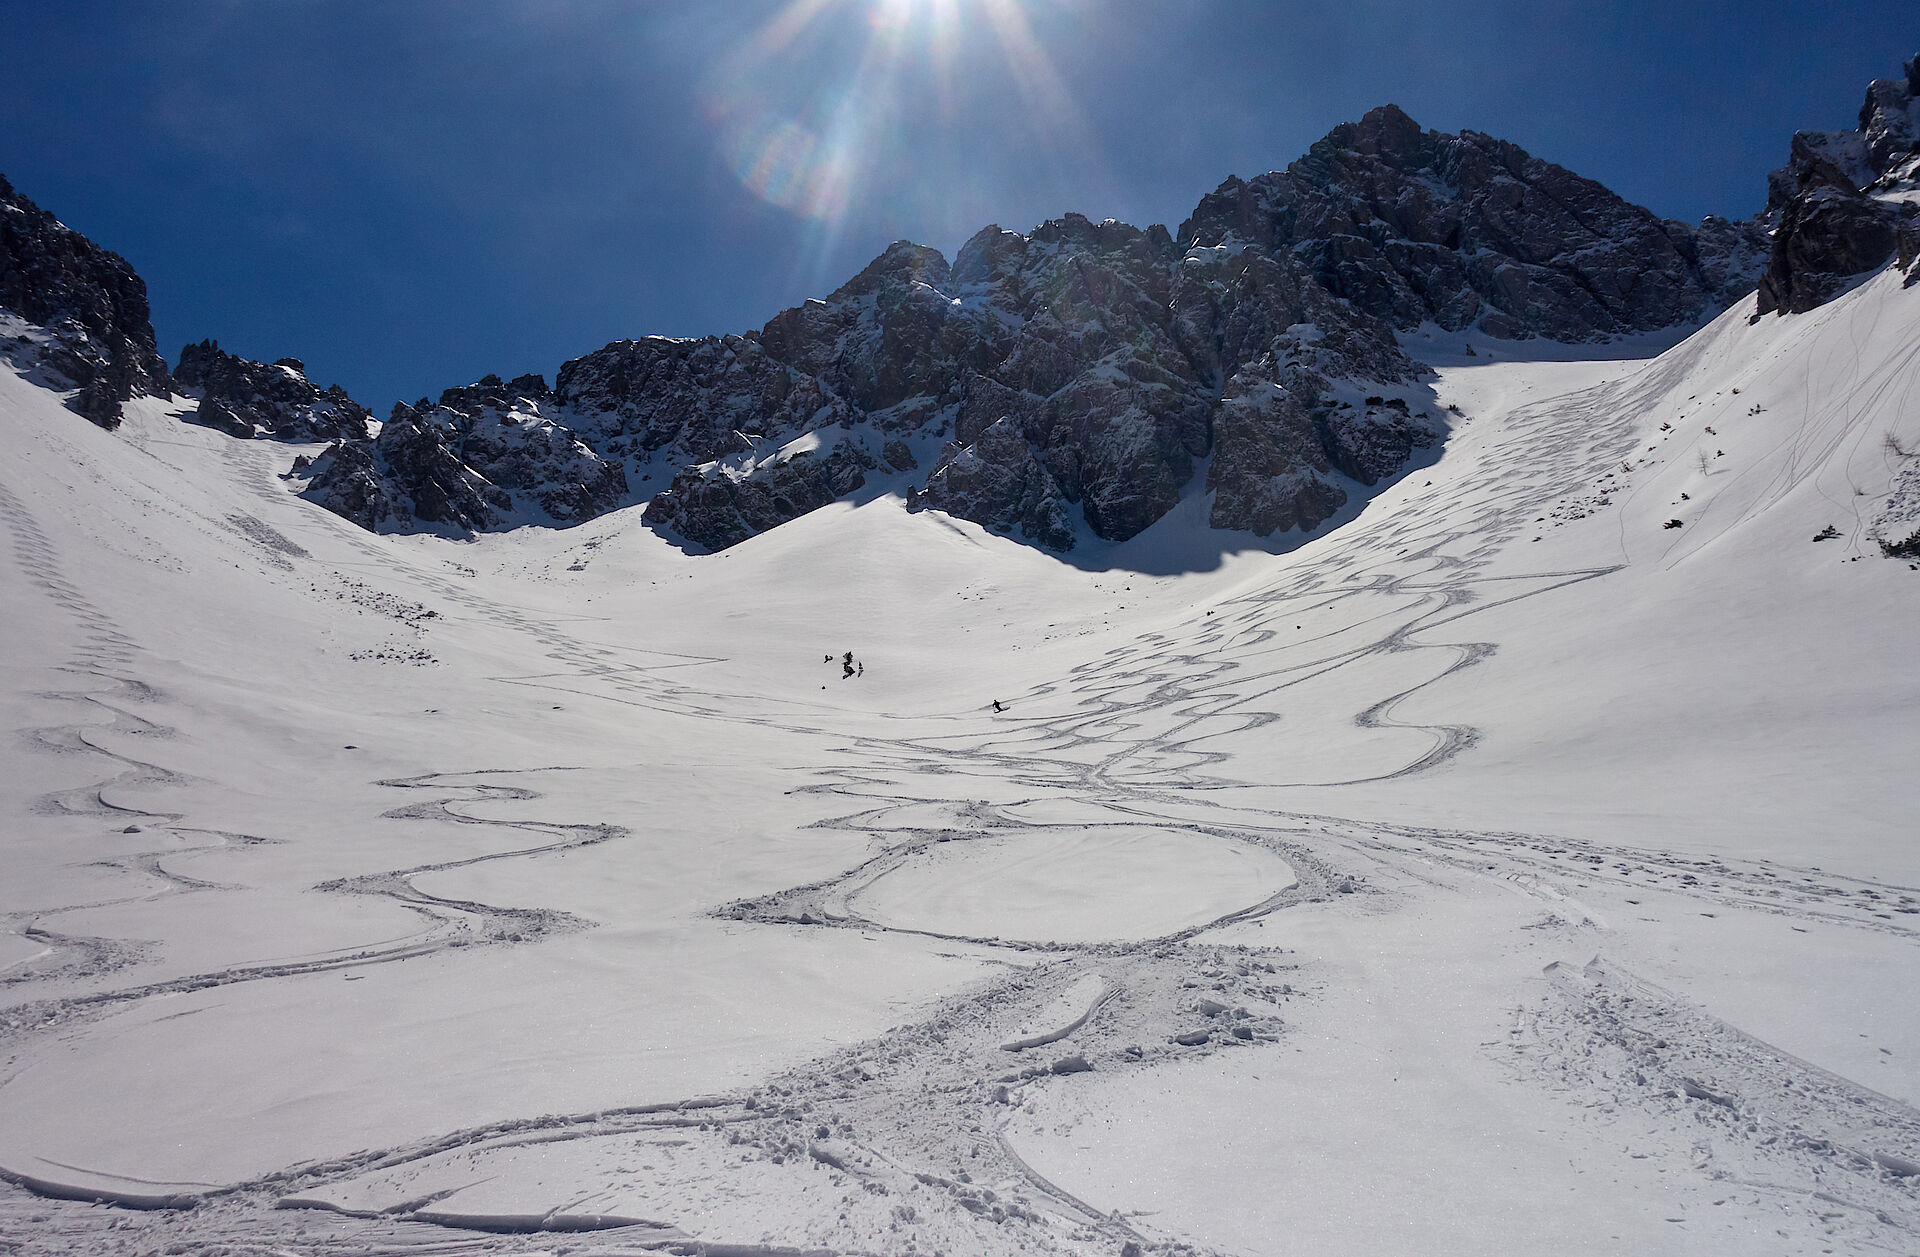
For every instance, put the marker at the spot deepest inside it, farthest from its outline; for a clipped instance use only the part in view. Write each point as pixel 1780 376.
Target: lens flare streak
pixel 810 128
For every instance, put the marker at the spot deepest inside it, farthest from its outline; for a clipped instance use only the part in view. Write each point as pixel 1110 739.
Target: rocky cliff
pixel 489 455
pixel 1413 226
pixel 1846 201
pixel 1067 384
pixel 1073 381
pixel 254 399
pixel 80 314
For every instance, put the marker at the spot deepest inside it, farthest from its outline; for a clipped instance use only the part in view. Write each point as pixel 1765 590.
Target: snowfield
pixel 1530 865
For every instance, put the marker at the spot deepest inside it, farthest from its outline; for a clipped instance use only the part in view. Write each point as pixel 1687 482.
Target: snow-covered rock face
pixel 1081 365
pixel 684 400
pixel 1074 344
pixel 1843 204
pixel 489 455
pixel 998 482
pixel 1074 379
pixel 715 506
pixel 1089 365
pixel 90 303
pixel 255 399
pixel 1079 375
pixel 1413 226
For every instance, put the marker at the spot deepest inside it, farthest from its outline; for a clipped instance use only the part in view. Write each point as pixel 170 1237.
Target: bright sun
pixel 804 123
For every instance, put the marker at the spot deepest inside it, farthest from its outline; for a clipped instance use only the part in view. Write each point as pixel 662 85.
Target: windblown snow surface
pixel 1510 870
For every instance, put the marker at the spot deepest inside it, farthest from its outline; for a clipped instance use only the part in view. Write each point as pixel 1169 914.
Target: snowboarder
pixel 997 706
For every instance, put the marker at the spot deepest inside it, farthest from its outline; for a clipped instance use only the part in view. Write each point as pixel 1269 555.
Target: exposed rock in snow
pixel 1829 233
pixel 999 482
pixel 487 455
pixel 1095 365
pixel 1729 254
pixel 1414 226
pixel 90 304
pixel 249 399
pixel 512 435
pixel 1277 449
pixel 402 479
pixel 1838 203
pixel 1890 122
pixel 685 400
pixel 890 333
pixel 717 506
pixel 1270 471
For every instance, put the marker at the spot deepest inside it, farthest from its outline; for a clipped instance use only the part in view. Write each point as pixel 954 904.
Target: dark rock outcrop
pixel 90 326
pixel 1414 226
pixel 1842 205
pixel 1270 471
pixel 404 479
pixel 1280 452
pixel 488 455
pixel 717 505
pixel 1071 381
pixel 512 435
pixel 255 399
pixel 685 400
pixel 998 482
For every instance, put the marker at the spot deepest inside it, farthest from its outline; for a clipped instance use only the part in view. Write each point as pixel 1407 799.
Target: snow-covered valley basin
pixel 1527 864
pixel 1083 885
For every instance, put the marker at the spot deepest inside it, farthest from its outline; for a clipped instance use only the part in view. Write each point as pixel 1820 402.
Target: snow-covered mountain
pixel 1846 201
pixel 74 313
pixel 1075 380
pixel 1525 864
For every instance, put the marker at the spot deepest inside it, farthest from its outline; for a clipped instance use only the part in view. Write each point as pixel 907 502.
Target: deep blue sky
pixel 408 195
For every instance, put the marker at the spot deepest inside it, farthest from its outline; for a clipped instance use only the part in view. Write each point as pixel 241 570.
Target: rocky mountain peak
pixel 903 263
pixel 1384 133
pixel 1415 226
pixel 993 250
pixel 1844 203
pixel 87 325
pixel 1077 380
pixel 1889 127
pixel 1072 380
pixel 492 391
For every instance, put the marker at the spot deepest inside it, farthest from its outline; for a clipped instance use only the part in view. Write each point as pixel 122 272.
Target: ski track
pixel 902 1136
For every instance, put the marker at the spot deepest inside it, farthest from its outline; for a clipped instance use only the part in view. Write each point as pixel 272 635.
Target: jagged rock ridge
pixel 1076 377
pixel 1414 226
pixel 1846 201
pixel 251 399
pixel 85 314
pixel 1050 385
pixel 488 455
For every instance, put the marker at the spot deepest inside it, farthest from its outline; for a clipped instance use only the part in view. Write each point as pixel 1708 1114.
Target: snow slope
pixel 1503 872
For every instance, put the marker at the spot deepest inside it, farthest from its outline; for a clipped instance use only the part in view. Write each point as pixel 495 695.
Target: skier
pixel 997 706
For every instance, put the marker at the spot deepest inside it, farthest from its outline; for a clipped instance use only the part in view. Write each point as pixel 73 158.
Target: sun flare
pixel 814 108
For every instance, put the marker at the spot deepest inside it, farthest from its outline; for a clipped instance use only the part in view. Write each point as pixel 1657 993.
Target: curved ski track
pixel 907 1129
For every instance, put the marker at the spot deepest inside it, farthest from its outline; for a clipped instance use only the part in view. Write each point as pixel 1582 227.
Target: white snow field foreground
pixel 1503 872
